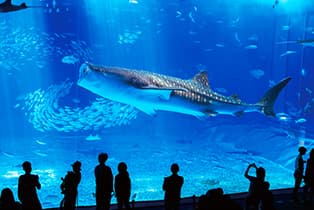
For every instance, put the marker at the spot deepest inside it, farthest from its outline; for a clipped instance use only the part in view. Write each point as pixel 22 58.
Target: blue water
pixel 48 119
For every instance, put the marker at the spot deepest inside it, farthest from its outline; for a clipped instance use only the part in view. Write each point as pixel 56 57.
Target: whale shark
pixel 150 92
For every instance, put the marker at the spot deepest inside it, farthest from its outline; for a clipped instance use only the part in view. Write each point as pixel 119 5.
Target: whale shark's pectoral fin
pixel 157 94
pixel 161 92
pixel 238 114
pixel 163 88
pixel 210 113
pixel 148 110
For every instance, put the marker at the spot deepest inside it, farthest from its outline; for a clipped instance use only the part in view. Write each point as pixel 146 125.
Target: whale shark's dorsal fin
pixel 202 78
pixel 235 97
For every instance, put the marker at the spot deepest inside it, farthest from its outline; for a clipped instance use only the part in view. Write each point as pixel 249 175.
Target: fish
pixel 285 28
pixel 191 17
pixel 271 83
pixel 70 59
pixel 289 52
pixel 257 73
pixel 150 92
pixel 300 120
pixel 283 117
pixel 40 142
pixel 11 174
pixel 220 45
pixel 8 154
pixel 251 47
pixel 94 116
pixel 309 91
pixel 93 138
pixel 304 42
pixel 41 154
pixel 133 1
pixel 236 37
pixel 178 14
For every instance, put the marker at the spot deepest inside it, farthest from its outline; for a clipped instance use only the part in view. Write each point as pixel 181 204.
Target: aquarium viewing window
pixel 210 85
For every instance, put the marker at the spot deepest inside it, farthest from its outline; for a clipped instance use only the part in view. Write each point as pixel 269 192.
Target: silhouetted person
pixel 122 186
pixel 216 200
pixel 309 174
pixel 7 201
pixel 172 186
pixel 267 198
pixel 7 6
pixel 256 187
pixel 69 186
pixel 27 188
pixel 104 183
pixel 298 172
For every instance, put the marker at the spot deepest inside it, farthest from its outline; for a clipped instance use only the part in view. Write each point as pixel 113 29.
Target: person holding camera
pixel 256 188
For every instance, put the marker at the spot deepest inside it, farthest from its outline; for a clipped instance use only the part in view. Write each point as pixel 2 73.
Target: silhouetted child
pixel 256 187
pixel 27 188
pixel 309 175
pixel 122 186
pixel 267 198
pixel 7 201
pixel 172 186
pixel 7 6
pixel 298 172
pixel 104 183
pixel 69 186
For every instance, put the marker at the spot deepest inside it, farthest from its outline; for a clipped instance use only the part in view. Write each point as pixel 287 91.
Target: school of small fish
pixel 45 114
pixel 129 36
pixel 32 47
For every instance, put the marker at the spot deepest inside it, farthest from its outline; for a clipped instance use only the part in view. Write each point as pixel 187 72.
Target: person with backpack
pixel 69 187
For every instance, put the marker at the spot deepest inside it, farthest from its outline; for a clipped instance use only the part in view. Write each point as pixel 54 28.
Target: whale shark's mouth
pixel 84 68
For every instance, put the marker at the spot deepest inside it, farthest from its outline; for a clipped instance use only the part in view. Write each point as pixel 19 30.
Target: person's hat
pixel 77 164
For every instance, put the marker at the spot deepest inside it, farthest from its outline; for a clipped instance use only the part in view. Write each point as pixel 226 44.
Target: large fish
pixel 149 92
pixel 305 42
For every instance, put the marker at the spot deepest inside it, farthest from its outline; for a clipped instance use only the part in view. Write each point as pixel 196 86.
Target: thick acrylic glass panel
pixel 246 47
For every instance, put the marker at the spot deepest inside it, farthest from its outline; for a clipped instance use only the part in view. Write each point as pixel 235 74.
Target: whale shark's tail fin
pixel 268 100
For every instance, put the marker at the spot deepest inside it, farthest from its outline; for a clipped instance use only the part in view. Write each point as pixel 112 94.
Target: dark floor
pixel 282 199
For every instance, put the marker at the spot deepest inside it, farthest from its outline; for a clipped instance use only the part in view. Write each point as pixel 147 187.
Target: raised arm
pixel 246 174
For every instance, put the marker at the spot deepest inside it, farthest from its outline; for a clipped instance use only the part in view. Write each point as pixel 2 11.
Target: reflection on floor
pixel 282 200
